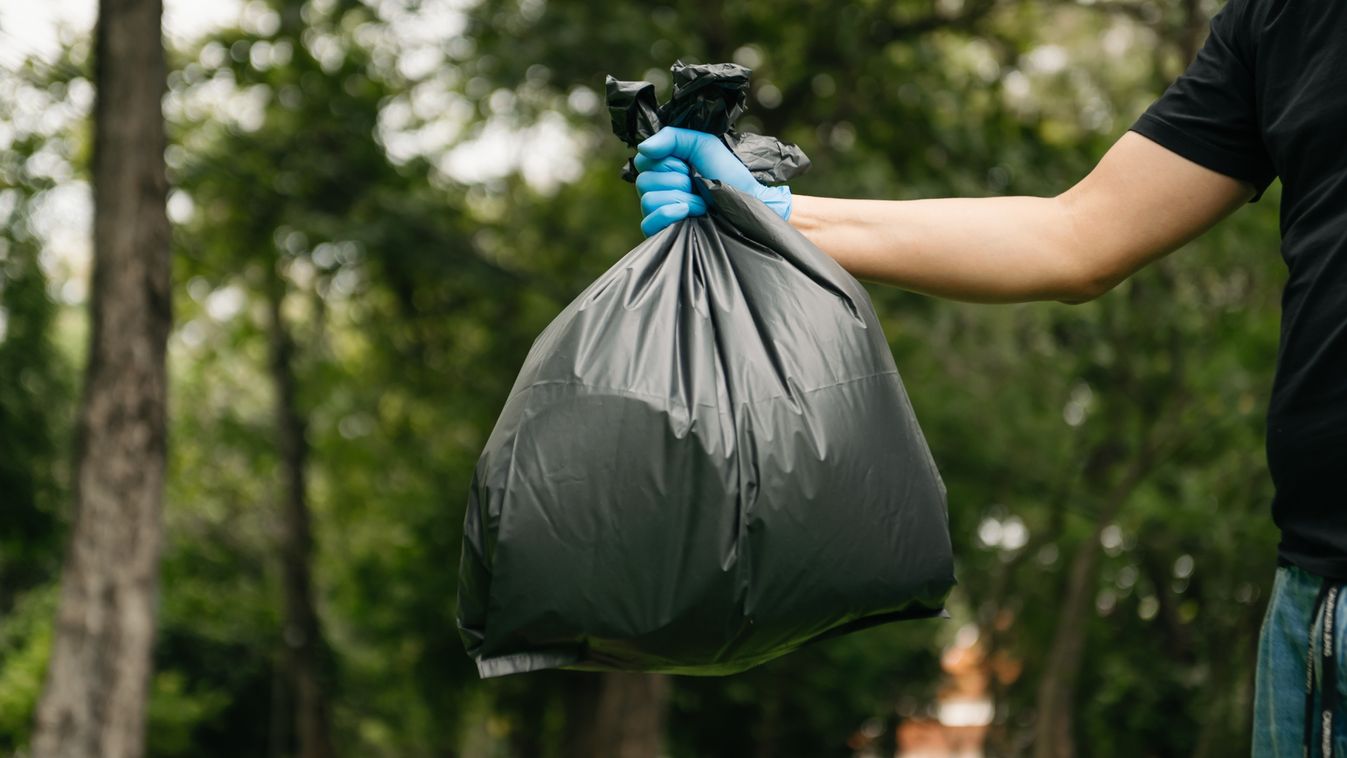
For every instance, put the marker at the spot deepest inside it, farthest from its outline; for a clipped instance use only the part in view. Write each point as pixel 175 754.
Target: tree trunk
pixel 302 635
pixel 1054 735
pixel 581 700
pixel 617 715
pixel 98 679
pixel 630 718
pixel 1056 691
pixel 768 728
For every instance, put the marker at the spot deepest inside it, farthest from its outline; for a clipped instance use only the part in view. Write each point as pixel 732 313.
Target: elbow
pixel 1086 286
pixel 1085 273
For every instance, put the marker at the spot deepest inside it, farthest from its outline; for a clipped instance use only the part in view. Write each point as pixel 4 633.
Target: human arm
pixel 1141 202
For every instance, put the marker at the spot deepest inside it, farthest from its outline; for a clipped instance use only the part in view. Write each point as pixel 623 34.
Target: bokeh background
pixel 419 186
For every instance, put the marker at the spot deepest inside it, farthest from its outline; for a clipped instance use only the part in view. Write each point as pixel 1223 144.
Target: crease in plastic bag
pixel 708 97
pixel 708 459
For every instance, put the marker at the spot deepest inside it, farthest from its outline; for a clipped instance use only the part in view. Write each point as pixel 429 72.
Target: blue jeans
pixel 1280 681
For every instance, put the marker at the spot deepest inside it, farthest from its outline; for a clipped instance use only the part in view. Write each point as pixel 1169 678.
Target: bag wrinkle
pixel 712 463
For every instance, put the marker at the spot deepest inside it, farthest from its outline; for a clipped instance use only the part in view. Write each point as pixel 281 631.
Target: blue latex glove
pixel 667 194
pixel 670 195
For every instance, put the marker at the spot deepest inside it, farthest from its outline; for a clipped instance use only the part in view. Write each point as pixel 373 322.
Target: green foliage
pixel 176 713
pixel 1128 429
pixel 36 399
pixel 35 386
pixel 1039 415
pixel 25 643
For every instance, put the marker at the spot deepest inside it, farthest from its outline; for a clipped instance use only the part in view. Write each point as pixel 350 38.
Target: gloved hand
pixel 665 181
pixel 667 194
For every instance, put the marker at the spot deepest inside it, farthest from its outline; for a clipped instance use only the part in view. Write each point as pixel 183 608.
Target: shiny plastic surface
pixel 708 460
pixel 708 97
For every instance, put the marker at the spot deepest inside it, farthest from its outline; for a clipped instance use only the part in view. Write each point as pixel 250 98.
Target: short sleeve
pixel 1209 115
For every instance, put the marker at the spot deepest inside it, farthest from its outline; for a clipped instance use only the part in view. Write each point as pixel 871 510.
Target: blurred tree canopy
pixel 1108 496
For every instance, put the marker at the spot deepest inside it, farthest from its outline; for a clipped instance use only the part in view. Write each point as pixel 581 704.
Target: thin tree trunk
pixel 1056 702
pixel 1056 691
pixel 617 715
pixel 581 700
pixel 1194 31
pixel 302 634
pixel 768 728
pixel 629 722
pixel 98 678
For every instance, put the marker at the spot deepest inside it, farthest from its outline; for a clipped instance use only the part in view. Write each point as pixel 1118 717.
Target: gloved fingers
pixel 704 152
pixel 667 164
pixel 671 140
pixel 664 216
pixel 649 181
pixel 653 201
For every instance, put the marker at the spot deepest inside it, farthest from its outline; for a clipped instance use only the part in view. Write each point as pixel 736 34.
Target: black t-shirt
pixel 1267 97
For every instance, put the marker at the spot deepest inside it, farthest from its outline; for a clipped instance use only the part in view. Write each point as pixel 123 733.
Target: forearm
pixel 1000 249
pixel 1139 203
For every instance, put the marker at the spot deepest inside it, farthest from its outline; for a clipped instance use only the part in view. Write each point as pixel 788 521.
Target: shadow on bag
pixel 708 458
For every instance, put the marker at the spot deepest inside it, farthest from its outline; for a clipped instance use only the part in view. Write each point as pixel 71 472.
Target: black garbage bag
pixel 708 98
pixel 708 458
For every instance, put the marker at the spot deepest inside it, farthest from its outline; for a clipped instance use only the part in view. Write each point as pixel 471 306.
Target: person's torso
pixel 1300 73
